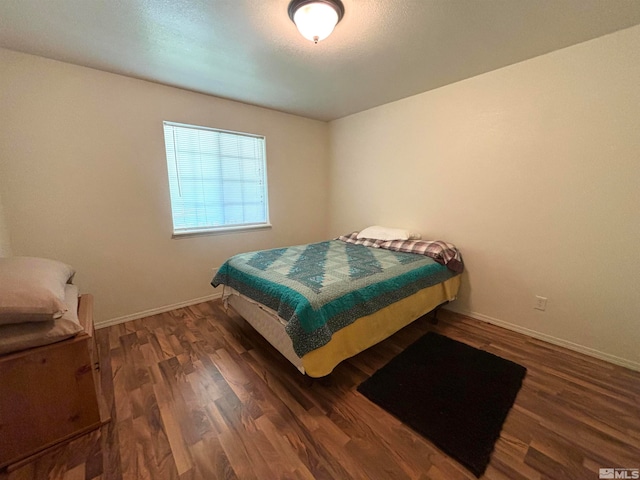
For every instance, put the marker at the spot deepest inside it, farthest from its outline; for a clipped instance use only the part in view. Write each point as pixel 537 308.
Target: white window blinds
pixel 217 179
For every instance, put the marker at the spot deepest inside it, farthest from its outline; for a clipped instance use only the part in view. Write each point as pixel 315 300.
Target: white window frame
pixel 215 229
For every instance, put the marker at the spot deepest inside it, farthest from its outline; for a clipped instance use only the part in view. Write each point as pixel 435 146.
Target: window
pixel 217 179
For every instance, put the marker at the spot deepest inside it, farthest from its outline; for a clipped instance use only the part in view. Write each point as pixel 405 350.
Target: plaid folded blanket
pixel 442 252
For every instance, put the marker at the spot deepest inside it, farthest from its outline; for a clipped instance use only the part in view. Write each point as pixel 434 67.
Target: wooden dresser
pixel 50 394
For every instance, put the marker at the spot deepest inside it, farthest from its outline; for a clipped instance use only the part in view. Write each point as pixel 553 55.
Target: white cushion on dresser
pixel 32 289
pixel 20 336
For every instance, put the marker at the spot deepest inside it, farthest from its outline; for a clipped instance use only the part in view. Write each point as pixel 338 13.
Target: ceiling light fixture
pixel 316 19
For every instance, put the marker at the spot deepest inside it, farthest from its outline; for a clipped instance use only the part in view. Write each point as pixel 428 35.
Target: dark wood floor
pixel 197 394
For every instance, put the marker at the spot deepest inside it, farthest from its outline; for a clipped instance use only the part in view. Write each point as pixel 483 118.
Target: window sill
pixel 219 231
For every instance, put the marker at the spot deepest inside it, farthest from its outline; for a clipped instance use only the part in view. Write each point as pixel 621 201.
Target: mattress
pixel 266 322
pixel 20 336
pixel 323 287
pixel 352 339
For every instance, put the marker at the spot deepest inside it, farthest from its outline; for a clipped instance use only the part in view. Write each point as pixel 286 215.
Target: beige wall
pixel 5 245
pixel 534 172
pixel 83 180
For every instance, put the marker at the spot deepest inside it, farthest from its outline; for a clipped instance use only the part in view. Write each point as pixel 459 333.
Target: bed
pixel 49 377
pixel 321 303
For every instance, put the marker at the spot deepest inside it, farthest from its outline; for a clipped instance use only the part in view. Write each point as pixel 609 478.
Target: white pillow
pixel 384 233
pixel 32 289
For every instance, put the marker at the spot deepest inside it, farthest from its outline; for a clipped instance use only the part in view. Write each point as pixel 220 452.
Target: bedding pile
pixel 38 303
pixel 322 287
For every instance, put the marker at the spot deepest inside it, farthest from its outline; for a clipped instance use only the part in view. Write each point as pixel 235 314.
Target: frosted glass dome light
pixel 316 19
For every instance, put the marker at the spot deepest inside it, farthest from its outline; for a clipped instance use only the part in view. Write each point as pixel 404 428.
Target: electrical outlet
pixel 541 303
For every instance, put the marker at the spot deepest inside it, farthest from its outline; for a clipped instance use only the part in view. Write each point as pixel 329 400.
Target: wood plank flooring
pixel 197 394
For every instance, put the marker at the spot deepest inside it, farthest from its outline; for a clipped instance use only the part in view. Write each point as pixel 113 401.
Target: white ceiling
pixel 249 50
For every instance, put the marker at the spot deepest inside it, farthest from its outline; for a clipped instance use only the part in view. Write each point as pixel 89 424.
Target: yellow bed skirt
pixel 367 331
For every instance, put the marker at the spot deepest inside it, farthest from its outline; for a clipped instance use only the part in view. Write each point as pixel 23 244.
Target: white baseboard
pixel 478 316
pixel 155 311
pixel 553 340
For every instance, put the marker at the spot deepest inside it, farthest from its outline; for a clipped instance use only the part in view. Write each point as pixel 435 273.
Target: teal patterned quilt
pixel 322 287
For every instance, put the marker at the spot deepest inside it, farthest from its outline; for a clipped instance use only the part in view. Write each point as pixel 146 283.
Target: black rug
pixel 454 395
